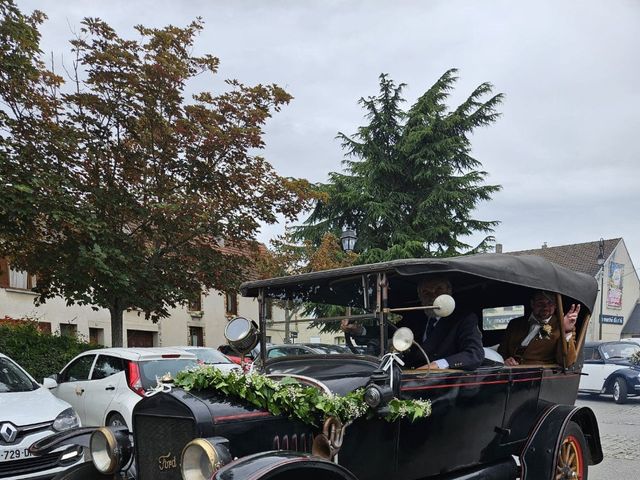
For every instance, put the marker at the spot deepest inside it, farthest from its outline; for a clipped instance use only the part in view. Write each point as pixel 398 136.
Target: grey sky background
pixel 566 149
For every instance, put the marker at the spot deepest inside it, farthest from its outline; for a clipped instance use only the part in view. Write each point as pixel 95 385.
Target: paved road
pixel 620 436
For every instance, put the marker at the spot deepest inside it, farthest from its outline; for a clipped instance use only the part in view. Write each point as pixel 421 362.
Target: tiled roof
pixel 581 257
pixel 251 250
pixel 632 327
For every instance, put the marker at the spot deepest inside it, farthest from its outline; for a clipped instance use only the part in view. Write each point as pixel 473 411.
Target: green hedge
pixel 40 354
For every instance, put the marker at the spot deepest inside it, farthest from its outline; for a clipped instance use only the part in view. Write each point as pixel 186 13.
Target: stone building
pixel 200 323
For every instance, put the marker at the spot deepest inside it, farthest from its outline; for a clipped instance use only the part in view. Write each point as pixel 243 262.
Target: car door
pixel 73 381
pixel 107 378
pixel 462 401
pixel 595 370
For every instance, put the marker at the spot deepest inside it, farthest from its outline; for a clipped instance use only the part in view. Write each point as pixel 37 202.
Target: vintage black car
pixel 495 422
pixel 608 370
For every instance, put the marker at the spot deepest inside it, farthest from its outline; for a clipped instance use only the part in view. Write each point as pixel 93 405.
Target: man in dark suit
pixel 449 342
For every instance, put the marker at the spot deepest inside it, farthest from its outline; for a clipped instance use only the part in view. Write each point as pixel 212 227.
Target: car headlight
pixel 110 449
pixel 377 396
pixel 202 457
pixel 66 420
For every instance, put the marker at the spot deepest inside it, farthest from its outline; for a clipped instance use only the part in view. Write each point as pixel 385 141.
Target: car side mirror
pixel 49 382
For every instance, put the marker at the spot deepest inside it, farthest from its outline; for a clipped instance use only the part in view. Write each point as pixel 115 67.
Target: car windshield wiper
pixel 616 356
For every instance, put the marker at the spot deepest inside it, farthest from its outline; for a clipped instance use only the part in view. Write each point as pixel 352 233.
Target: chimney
pixel 498 248
pixel 544 244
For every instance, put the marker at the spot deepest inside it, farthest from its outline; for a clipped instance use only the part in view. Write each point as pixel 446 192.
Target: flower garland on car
pixel 635 359
pixel 291 398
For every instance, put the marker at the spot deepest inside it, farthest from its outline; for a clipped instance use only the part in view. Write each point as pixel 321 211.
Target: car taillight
pixel 135 382
pixel 170 355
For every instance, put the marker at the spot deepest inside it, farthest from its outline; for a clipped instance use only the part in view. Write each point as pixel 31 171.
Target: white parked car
pixel 104 385
pixel 28 412
pixel 608 370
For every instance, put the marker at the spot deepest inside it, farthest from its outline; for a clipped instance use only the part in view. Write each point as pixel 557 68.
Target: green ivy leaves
pixel 290 398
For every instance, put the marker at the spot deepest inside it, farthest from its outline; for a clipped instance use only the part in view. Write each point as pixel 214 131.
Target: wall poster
pixel 614 295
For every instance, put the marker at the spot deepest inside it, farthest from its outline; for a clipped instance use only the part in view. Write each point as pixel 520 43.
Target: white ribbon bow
pixel 387 363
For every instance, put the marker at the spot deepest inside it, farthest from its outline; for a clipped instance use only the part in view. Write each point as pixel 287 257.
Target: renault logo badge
pixel 8 432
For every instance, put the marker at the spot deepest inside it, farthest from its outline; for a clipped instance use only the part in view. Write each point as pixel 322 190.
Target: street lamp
pixel 601 265
pixel 348 240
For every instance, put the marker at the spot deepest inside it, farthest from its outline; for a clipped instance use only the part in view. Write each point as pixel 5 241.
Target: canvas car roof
pixel 481 279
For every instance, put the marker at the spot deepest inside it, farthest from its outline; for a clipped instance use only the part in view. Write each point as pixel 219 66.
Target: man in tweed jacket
pixel 538 338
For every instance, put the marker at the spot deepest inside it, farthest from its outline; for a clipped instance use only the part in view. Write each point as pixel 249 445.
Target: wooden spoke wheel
pixel 570 464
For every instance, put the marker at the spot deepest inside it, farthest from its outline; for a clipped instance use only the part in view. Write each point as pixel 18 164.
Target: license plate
pixel 7 455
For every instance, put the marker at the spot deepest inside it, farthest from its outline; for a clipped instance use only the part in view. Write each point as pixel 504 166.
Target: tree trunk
pixel 116 324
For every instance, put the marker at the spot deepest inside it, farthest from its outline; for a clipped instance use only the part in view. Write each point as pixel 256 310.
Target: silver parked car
pixel 29 412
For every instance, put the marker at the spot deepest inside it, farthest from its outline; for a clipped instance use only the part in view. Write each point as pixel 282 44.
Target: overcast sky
pixel 566 149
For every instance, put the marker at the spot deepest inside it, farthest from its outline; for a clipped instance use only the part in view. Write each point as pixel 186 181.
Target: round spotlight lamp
pixel 201 458
pixel 402 339
pixel 242 334
pixel 110 450
pixel 445 305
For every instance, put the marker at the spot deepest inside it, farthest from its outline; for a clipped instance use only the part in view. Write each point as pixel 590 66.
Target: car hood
pixel 26 408
pixel 623 362
pixel 339 373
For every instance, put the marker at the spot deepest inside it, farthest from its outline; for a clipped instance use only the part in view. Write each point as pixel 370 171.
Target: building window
pixel 142 338
pixel 231 303
pixel 195 304
pixel 96 336
pixel 21 279
pixel 339 340
pixel 68 329
pixel 196 337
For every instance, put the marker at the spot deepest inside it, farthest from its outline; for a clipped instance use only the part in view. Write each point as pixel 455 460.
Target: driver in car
pixel 449 342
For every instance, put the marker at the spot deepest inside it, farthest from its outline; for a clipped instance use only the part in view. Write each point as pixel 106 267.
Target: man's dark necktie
pixel 431 324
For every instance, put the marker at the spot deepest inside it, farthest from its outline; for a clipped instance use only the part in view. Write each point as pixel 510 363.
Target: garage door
pixel 139 338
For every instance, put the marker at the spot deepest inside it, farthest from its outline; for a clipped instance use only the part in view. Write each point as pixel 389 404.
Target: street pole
pixel 601 300
pixel 601 262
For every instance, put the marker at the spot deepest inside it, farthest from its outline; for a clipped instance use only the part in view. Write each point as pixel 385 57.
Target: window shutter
pixel 4 273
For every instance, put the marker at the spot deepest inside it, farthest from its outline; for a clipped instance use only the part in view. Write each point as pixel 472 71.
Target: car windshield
pixel 12 379
pixel 619 350
pixel 209 355
pixel 152 370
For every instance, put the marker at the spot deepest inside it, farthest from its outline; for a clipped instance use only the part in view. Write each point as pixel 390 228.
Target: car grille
pixel 159 442
pixel 25 430
pixel 29 465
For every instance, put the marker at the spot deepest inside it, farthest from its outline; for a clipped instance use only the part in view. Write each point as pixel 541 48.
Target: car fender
pixel 123 404
pixel 277 464
pixel 539 453
pixel 627 373
pixel 78 436
pixel 84 471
